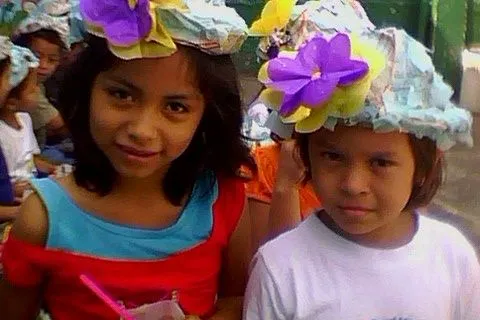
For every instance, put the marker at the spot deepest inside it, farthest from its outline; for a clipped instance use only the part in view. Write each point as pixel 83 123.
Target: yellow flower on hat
pixel 132 4
pixel 275 15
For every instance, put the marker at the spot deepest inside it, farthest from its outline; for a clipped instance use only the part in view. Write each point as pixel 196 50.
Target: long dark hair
pixel 217 145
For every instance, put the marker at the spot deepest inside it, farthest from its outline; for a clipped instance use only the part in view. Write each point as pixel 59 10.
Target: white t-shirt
pixel 313 273
pixel 19 147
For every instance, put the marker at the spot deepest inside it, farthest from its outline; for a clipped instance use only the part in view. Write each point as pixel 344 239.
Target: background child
pixel 156 124
pixel 16 133
pixel 373 119
pixel 6 190
pixel 76 40
pixel 46 32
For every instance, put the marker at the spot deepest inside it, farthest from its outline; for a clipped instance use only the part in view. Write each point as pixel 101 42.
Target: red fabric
pixel 192 275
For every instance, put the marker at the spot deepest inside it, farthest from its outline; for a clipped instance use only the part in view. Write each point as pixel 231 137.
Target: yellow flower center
pixel 316 74
pixel 132 4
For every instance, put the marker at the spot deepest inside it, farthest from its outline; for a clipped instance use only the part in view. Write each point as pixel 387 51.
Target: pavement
pixel 458 200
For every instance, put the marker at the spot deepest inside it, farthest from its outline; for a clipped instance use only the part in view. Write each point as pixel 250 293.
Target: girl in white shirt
pixel 17 139
pixel 372 120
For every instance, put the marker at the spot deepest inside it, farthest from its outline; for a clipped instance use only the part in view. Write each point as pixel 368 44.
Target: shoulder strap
pixel 229 207
pixel 49 191
pixel 57 202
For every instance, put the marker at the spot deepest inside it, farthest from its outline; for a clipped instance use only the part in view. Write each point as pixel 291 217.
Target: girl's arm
pixel 285 206
pixel 274 218
pixel 22 303
pixel 283 211
pixel 235 271
pixel 259 213
pixel 8 213
pixel 262 297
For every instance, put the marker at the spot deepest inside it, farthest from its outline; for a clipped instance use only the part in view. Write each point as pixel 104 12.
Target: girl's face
pixel 49 55
pixel 145 112
pixel 364 179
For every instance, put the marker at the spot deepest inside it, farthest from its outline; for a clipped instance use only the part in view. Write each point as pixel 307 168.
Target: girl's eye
pixel 120 94
pixel 176 107
pixel 331 156
pixel 382 163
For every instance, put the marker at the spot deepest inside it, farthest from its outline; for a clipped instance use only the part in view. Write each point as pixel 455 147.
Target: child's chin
pixel 135 172
pixel 355 228
pixel 42 78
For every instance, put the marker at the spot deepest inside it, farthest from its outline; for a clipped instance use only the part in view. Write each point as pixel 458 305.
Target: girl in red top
pixel 152 217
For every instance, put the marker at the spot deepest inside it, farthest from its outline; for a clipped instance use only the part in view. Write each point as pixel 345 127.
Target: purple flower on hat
pixel 124 22
pixel 311 77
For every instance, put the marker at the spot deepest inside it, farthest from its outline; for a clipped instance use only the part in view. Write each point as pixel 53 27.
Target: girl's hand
pixel 19 188
pixel 291 170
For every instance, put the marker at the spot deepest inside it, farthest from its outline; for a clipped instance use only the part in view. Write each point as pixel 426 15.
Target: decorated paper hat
pixel 5 48
pixel 77 26
pixel 151 28
pixel 21 61
pixel 48 15
pixel 284 25
pixel 381 77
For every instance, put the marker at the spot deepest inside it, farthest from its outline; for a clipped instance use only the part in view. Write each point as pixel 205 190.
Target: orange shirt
pixel 261 186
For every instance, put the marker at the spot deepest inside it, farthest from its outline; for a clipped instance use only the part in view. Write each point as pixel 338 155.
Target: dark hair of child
pixel 50 36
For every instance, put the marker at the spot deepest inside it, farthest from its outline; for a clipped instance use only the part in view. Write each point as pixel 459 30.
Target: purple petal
pixel 339 54
pixel 290 104
pixel 318 91
pixel 281 69
pixel 122 25
pixel 126 32
pixel 314 53
pixel 358 70
pixel 98 12
pixel 289 87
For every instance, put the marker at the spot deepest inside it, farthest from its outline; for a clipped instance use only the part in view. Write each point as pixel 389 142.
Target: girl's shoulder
pixel 25 119
pixel 31 225
pixel 32 222
pixel 440 237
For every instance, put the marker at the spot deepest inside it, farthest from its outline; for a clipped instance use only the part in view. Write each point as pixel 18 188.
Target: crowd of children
pixel 32 51
pixel 170 213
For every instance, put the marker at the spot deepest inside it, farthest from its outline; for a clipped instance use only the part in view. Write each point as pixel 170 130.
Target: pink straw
pixel 119 309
